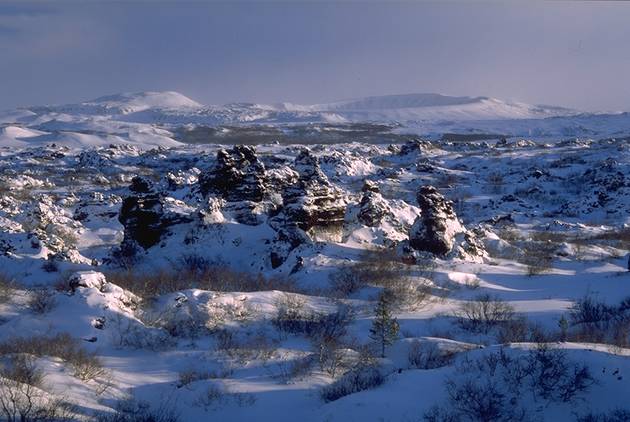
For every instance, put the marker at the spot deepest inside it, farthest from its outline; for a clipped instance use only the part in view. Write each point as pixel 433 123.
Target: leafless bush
pixel 214 396
pixel 427 355
pixel 514 330
pixel 41 300
pixel 407 286
pixel 592 320
pixel 215 277
pixel 21 396
pixel 356 380
pixel 7 287
pixel 314 325
pixel 346 281
pixel 617 415
pixel 189 375
pixel 86 365
pixel 254 347
pixel 297 368
pixel 491 388
pixel 538 256
pixel 131 409
pixel 484 313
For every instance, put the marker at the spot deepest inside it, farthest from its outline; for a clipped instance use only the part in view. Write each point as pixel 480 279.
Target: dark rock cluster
pixel 143 215
pixel 237 176
pixel 435 228
pixel 373 207
pixel 312 200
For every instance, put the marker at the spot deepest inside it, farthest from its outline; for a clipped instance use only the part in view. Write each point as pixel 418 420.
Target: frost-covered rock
pixel 435 229
pixel 373 207
pixel 87 279
pixel 147 216
pixel 312 200
pixel 237 176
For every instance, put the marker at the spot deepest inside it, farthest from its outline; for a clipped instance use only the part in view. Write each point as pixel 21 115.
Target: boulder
pixel 237 176
pixel 434 230
pixel 373 207
pixel 312 200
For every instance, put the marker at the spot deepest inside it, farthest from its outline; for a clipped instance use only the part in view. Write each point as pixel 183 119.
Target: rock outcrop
pixel 145 217
pixel 237 176
pixel 373 207
pixel 435 229
pixel 312 201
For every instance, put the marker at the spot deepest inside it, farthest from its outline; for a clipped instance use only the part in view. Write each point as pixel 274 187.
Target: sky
pixel 574 54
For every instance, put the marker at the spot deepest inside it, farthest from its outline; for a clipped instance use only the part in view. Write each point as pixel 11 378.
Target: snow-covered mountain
pixel 432 107
pixel 151 118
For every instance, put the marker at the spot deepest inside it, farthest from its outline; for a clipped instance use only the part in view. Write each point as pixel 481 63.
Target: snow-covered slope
pixel 158 116
pixel 433 107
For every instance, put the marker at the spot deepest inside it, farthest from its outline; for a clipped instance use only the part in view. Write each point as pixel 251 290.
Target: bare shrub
pixel 491 388
pixel 214 396
pixel 189 375
pixel 514 330
pixel 244 349
pixel 215 277
pixel 314 325
pixel 484 313
pixel 86 365
pixel 538 256
pixel 554 378
pixel 346 281
pixel 356 380
pixel 21 396
pixel 41 300
pixel 408 286
pixel 428 355
pixel 617 415
pixel 495 182
pixel 7 288
pixel 592 320
pixel 131 409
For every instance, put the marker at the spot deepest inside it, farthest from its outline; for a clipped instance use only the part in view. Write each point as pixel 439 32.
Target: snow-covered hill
pixel 150 119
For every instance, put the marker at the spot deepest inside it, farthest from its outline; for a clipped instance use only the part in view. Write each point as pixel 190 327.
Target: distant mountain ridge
pixel 153 118
pixel 424 106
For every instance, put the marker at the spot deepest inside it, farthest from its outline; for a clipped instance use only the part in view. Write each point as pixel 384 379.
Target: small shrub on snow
pixel 491 388
pixel 21 396
pixel 617 415
pixel 41 300
pixel 247 348
pixel 595 321
pixel 216 277
pixel 427 355
pixel 7 286
pixel 538 256
pixel 85 365
pixel 313 325
pixel 356 380
pixel 483 313
pixel 131 409
pixel 214 396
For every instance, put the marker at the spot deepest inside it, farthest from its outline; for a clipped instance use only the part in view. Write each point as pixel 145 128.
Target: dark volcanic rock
pixel 141 184
pixel 312 200
pixel 373 207
pixel 145 218
pixel 435 229
pixel 237 176
pixel 142 218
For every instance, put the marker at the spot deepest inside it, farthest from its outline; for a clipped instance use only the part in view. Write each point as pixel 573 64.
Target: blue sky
pixel 573 54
